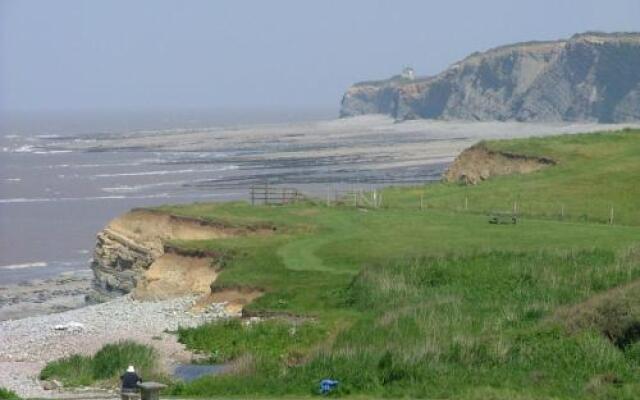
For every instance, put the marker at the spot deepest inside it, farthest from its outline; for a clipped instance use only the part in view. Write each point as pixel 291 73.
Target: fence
pixel 587 210
pixel 355 198
pixel 596 211
pixel 266 194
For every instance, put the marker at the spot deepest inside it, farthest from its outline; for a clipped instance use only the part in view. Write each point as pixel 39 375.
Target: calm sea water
pixel 52 203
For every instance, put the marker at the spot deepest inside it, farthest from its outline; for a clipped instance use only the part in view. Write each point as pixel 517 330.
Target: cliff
pixel 132 254
pixel 589 77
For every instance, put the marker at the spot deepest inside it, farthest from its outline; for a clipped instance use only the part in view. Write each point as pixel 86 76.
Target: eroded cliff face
pixel 478 163
pixel 131 255
pixel 589 77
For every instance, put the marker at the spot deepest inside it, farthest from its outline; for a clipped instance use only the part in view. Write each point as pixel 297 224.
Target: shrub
pixel 8 394
pixel 74 370
pixel 112 359
pixel 107 363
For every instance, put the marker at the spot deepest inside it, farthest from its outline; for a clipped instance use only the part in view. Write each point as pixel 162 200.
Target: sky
pixel 68 55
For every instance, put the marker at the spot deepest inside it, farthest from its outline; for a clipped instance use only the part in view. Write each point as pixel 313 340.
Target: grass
pixel 595 172
pixel 106 365
pixel 450 326
pixel 438 303
pixel 227 340
pixel 8 394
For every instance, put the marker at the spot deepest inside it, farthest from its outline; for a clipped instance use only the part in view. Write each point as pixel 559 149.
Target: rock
pixel 74 327
pixel 51 385
pixel 130 244
pixel 589 77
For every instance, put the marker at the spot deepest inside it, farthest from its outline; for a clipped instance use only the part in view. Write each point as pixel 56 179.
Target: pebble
pixel 33 341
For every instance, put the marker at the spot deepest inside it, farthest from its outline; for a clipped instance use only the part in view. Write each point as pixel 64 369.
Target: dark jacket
pixel 130 380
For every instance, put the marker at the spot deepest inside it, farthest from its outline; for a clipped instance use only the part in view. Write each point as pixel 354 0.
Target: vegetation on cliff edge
pixel 422 297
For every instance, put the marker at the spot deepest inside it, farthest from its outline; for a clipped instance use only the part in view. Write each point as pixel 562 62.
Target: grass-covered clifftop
pixel 436 302
pixel 593 173
pixel 422 297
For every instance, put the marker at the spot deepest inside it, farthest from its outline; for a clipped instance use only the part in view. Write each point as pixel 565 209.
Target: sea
pixel 53 202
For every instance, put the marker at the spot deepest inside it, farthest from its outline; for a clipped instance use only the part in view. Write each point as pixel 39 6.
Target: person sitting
pixel 130 382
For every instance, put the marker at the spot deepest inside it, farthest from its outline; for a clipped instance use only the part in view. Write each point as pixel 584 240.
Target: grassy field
pixel 594 173
pixel 400 301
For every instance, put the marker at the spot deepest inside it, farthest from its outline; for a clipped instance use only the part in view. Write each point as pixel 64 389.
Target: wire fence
pixel 595 211
pixel 600 211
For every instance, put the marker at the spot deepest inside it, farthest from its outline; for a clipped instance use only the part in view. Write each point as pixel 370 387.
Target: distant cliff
pixel 589 77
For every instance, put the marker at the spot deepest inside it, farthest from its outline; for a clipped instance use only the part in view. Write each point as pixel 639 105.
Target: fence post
pixel 466 203
pixel 611 216
pixel 253 202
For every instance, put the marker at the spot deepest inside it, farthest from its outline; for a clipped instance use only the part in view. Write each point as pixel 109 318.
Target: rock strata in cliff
pixel 131 255
pixel 478 163
pixel 589 77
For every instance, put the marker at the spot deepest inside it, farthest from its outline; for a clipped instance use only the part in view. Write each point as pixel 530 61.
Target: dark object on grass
pixel 151 390
pixel 503 219
pixel 328 385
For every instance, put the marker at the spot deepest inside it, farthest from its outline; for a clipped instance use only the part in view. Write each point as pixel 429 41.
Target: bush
pixel 8 394
pixel 74 370
pixel 112 359
pixel 108 363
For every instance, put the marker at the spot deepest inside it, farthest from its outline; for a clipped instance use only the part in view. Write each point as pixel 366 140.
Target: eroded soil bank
pixel 479 163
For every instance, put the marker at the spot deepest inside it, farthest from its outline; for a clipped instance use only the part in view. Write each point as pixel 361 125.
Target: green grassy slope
pixel 594 173
pixel 438 303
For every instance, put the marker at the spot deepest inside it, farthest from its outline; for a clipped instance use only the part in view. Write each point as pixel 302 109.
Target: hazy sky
pixel 245 54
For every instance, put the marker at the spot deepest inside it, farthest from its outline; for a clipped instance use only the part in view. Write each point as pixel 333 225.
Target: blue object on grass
pixel 327 385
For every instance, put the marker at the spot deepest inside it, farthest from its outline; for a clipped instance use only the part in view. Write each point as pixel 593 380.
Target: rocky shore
pixel 45 296
pixel 27 344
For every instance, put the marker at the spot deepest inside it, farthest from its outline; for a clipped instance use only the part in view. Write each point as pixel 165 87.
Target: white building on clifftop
pixel 408 73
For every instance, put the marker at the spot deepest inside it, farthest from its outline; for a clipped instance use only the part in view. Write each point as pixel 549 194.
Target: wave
pixel 51 151
pixel 114 197
pixel 27 148
pixel 50 136
pixel 13 179
pixel 137 188
pixel 166 172
pixel 51 199
pixel 37 264
pixel 105 165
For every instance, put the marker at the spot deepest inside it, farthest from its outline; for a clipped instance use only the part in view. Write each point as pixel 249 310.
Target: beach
pixel 57 192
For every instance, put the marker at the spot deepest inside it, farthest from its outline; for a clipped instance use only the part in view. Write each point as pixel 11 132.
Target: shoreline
pixel 38 297
pixel 27 344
